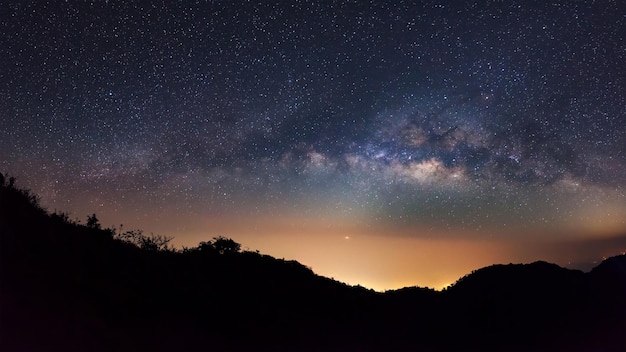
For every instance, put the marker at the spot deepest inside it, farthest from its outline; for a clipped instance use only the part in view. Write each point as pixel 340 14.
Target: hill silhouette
pixel 67 286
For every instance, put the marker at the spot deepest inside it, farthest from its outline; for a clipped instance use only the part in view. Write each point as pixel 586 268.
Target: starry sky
pixel 382 143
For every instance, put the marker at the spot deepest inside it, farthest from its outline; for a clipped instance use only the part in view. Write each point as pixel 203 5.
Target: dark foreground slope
pixel 65 286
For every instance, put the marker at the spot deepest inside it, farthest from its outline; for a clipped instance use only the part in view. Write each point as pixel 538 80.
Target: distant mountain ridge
pixel 67 286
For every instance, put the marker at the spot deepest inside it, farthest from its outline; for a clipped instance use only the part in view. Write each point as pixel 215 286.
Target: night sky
pixel 382 143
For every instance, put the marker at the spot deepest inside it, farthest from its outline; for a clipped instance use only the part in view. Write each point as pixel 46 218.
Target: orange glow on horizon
pixel 379 256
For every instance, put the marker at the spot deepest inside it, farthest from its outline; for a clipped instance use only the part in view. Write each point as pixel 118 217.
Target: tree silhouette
pixel 93 222
pixel 225 245
pixel 206 247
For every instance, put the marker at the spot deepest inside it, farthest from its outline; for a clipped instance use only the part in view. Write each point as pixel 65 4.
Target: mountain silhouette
pixel 73 287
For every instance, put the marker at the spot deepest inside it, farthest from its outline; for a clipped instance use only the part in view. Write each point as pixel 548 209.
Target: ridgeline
pixel 65 286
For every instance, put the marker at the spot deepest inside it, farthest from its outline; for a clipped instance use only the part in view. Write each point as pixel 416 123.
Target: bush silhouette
pixel 150 243
pixel 225 245
pixel 93 222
